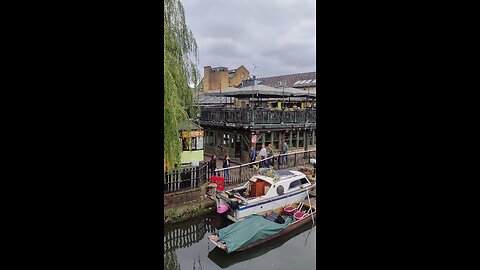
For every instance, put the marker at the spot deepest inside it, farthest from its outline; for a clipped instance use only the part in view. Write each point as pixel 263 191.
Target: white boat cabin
pixel 261 186
pixel 264 191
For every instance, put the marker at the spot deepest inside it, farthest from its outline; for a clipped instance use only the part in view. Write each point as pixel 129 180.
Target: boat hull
pixel 310 218
pixel 300 223
pixel 265 205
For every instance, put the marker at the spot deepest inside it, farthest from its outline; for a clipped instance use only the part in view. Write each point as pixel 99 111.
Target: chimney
pixel 206 78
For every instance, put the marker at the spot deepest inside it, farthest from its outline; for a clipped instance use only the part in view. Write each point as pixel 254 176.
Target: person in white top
pixel 263 155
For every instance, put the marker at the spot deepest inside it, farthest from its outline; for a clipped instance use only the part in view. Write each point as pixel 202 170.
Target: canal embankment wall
pixel 182 205
pixel 187 194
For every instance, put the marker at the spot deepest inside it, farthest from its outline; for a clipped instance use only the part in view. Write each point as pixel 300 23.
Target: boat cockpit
pixel 254 188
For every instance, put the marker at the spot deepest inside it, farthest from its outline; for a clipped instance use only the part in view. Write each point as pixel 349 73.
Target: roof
pixel 263 91
pixel 308 79
pixel 208 99
pixel 192 126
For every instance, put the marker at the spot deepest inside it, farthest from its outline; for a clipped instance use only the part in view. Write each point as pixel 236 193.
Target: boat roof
pixel 281 174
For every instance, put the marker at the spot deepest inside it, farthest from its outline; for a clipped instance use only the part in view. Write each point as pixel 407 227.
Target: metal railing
pixel 181 236
pixel 189 178
pixel 243 116
pixel 184 235
pixel 186 178
pixel 239 174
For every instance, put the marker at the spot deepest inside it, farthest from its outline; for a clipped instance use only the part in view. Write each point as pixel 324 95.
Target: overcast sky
pixel 276 35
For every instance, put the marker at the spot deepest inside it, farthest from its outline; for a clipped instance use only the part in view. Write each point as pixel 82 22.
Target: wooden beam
pixel 247 143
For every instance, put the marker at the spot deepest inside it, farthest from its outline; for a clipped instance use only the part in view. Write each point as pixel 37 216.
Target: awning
pixel 262 91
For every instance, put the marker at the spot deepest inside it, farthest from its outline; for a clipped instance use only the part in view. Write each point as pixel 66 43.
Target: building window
pixel 268 139
pixel 199 143
pixel 294 139
pixel 196 143
pixel 287 138
pixel 232 142
pixel 276 138
pixel 185 145
pixel 226 138
pixel 301 139
pixel 193 144
pixel 209 139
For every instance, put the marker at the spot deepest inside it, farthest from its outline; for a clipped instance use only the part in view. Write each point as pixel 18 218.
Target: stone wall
pixel 183 197
pixel 183 205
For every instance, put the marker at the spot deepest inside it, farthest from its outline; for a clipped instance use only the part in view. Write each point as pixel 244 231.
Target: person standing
pixel 263 155
pixel 213 165
pixel 270 154
pixel 226 164
pixel 253 155
pixel 284 152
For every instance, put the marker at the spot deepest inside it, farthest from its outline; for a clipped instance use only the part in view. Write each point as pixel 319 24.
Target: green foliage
pixel 179 72
pixel 176 216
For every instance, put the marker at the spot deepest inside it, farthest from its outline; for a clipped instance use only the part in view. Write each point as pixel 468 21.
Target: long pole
pixel 251 100
pixel 310 203
pixel 254 79
pixel 306 135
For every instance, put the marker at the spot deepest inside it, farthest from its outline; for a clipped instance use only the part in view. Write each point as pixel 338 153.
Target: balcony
pixel 245 118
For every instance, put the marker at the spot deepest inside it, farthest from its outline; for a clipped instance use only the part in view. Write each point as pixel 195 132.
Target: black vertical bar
pixel 240 172
pixel 169 182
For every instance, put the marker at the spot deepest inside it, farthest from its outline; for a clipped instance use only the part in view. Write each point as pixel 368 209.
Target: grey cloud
pixel 277 35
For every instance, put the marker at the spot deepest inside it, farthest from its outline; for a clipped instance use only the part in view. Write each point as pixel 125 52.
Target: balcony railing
pixel 257 117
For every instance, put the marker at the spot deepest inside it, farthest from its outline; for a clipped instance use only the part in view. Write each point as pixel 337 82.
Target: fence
pixel 181 236
pixel 189 178
pixel 239 174
pixel 185 179
pixel 258 116
pixel 184 235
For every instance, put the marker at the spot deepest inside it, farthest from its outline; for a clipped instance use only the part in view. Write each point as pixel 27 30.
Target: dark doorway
pixel 238 146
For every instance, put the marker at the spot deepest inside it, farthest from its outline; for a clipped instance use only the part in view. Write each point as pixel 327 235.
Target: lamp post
pixel 254 80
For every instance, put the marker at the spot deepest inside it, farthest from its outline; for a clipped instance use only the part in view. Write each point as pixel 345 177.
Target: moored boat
pixel 263 192
pixel 257 229
pixel 217 255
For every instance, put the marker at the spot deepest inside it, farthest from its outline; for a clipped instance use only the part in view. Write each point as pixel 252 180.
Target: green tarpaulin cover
pixel 249 230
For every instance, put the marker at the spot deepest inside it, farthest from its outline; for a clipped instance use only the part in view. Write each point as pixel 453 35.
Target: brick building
pixel 221 77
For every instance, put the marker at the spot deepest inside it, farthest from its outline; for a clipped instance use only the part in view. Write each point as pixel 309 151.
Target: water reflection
pixel 185 234
pixel 221 259
pixel 187 247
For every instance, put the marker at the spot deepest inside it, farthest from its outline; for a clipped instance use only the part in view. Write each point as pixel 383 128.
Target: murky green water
pixel 186 247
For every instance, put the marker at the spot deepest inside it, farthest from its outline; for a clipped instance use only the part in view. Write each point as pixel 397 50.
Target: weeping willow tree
pixel 179 72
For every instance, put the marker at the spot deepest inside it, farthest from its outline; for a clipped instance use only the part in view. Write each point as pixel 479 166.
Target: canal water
pixel 186 246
